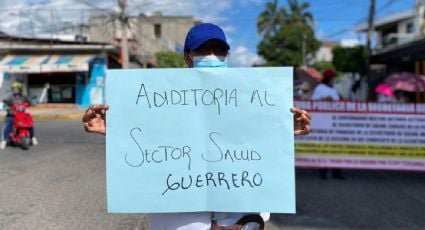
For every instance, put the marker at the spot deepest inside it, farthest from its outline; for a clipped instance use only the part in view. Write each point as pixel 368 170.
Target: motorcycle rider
pixel 15 98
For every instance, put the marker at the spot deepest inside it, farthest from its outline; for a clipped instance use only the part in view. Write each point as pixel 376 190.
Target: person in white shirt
pixel 325 91
pixel 205 46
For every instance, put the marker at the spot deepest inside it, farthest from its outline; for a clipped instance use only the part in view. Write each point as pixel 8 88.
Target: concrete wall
pixel 324 54
pixel 403 36
pixel 101 29
pixel 141 34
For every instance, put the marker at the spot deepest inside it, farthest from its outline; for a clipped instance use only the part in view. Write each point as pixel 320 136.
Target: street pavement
pixel 365 200
pixel 60 184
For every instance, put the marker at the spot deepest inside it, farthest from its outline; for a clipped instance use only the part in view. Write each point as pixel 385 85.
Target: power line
pixel 362 19
pixel 106 10
pixel 92 10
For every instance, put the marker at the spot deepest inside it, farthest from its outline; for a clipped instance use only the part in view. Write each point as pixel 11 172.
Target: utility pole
pixel 370 26
pixel 19 26
pixel 303 48
pixel 52 19
pixel 81 23
pixel 123 21
pixel 369 39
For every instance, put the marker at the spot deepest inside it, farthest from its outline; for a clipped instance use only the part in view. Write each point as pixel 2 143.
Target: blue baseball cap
pixel 201 33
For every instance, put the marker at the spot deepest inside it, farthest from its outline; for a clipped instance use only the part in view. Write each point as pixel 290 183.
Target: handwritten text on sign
pixel 183 140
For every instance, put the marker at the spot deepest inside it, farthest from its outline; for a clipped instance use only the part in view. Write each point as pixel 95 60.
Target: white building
pixel 325 51
pixel 397 29
pixel 400 45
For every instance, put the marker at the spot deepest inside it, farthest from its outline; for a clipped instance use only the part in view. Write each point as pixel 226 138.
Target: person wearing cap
pixel 325 91
pixel 205 46
pixel 16 97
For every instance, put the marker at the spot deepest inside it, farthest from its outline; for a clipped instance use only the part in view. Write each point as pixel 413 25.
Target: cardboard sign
pixel 210 139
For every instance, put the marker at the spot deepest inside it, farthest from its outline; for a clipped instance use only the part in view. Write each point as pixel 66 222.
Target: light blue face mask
pixel 209 61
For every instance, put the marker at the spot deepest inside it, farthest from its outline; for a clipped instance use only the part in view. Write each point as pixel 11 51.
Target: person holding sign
pixel 205 46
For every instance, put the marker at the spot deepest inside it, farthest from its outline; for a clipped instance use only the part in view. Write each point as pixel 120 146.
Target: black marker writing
pixel 143 94
pixel 216 179
pixel 206 97
pixel 220 157
pixel 233 155
pixel 161 153
pixel 256 96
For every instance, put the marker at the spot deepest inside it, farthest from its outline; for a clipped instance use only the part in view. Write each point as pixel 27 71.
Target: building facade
pixel 400 43
pixel 146 34
pixel 54 71
pixel 324 54
pixel 400 46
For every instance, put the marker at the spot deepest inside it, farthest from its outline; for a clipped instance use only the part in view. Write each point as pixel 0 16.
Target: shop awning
pixel 23 63
pixel 67 63
pixel 45 63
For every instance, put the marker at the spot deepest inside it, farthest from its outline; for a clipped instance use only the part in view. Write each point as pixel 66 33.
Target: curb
pixel 69 116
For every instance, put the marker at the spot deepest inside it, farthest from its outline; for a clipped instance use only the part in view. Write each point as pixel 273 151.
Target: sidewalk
pixel 52 111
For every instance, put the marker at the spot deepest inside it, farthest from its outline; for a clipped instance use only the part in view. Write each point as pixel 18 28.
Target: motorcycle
pixel 22 124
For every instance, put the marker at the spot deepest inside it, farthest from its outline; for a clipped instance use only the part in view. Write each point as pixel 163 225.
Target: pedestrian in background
pixel 326 91
pixel 385 93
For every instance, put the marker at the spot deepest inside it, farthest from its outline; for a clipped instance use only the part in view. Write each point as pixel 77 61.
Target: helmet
pixel 17 85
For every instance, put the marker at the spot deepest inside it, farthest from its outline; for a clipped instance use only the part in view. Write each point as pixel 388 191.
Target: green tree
pixel 169 59
pixel 323 65
pixel 350 60
pixel 270 20
pixel 294 38
pixel 299 13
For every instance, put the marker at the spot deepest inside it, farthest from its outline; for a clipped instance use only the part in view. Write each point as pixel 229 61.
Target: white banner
pixel 363 135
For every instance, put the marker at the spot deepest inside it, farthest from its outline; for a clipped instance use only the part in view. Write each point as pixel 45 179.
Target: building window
pixel 157 30
pixel 409 28
pixel 389 36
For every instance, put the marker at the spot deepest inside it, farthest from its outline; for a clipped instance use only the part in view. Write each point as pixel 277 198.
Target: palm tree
pixel 271 19
pixel 299 14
